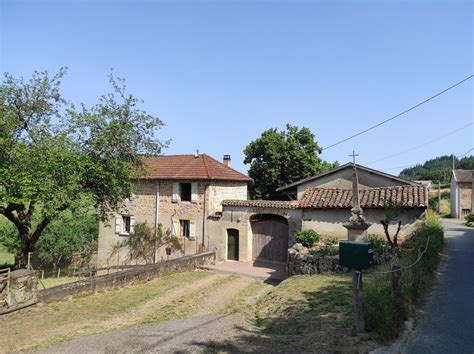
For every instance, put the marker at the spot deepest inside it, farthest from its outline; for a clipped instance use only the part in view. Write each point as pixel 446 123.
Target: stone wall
pixel 311 264
pixel 22 292
pixel 135 275
pixel 220 191
pixel 466 195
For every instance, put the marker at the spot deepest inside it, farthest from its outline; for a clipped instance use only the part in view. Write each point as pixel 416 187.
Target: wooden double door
pixel 270 238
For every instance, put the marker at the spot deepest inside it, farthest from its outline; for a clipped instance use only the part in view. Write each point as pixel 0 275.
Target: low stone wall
pixel 22 291
pixel 138 274
pixel 299 263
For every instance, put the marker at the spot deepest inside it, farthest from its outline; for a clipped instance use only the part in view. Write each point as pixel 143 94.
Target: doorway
pixel 233 244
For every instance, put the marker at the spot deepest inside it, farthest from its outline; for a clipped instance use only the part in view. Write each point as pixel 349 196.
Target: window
pixel 185 192
pixel 127 224
pixel 184 228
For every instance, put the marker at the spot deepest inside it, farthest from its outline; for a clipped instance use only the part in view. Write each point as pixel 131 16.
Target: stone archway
pixel 269 237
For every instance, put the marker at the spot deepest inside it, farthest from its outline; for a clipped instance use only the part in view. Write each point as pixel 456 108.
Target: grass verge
pixel 386 310
pixel 6 258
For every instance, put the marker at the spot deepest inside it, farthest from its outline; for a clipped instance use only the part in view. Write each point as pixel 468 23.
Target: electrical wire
pixel 422 145
pixel 399 114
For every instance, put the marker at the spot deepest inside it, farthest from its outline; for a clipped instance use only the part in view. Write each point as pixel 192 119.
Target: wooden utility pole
pixel 439 198
pixel 358 301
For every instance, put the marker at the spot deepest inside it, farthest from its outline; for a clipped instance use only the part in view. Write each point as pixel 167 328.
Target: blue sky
pixel 218 73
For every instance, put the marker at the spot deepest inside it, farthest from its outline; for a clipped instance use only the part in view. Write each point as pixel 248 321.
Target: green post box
pixel 356 255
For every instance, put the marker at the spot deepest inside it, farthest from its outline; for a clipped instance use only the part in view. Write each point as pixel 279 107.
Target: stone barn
pixel 462 196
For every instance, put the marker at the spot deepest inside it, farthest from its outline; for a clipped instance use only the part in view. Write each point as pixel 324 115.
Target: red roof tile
pixel 190 167
pixel 277 204
pixel 415 196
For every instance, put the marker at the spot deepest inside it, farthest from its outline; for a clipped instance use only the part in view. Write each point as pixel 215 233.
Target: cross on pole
pixel 354 156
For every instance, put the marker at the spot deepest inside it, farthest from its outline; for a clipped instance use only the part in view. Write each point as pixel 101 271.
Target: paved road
pixel 448 323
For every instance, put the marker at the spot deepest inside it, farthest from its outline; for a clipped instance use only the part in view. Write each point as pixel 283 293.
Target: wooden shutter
pixel 175 192
pixel 118 224
pixel 194 192
pixel 175 227
pixel 192 228
pixel 132 224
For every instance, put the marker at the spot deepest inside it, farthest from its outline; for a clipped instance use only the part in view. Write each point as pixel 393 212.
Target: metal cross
pixel 354 156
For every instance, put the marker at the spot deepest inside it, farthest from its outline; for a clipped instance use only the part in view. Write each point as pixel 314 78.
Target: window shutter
pixel 175 230
pixel 118 224
pixel 132 225
pixel 175 192
pixel 192 228
pixel 194 195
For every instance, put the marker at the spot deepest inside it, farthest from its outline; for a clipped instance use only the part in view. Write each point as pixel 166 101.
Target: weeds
pixel 385 311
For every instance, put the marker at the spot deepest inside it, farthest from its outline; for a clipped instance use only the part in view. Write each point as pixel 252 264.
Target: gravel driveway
pixel 448 322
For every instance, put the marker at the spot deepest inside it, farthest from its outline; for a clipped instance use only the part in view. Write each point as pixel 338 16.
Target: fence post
pixel 397 279
pixel 59 272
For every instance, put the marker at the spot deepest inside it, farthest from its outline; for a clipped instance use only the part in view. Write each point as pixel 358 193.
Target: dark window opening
pixel 184 228
pixel 126 224
pixel 185 192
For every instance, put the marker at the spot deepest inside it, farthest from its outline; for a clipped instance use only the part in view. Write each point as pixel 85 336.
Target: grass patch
pixel 308 312
pixel 54 281
pixel 385 311
pixel 41 326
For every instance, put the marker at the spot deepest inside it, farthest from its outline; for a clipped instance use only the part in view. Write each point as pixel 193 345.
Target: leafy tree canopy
pixel 278 158
pixel 438 169
pixel 53 155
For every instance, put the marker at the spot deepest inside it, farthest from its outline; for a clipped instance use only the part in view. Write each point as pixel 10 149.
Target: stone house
pixel 462 196
pixel 257 230
pixel 179 192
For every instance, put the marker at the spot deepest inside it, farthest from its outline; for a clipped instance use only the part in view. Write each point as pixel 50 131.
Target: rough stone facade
pixel 23 291
pixel 299 263
pixel 143 207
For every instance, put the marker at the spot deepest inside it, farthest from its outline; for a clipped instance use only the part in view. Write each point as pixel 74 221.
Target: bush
pixel 386 311
pixel 470 220
pixel 331 241
pixel 307 238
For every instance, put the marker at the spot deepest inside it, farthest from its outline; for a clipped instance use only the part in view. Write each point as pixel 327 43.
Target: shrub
pixel 470 220
pixel 386 311
pixel 307 238
pixel 325 251
pixel 331 241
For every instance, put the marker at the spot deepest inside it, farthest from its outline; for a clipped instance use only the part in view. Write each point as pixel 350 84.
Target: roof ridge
pixel 204 156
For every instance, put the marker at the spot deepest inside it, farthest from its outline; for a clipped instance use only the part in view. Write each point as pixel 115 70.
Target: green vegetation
pixel 385 309
pixel 438 169
pixel 53 155
pixel 445 208
pixel 307 238
pixel 470 220
pixel 71 236
pixel 144 241
pixel 6 258
pixel 278 158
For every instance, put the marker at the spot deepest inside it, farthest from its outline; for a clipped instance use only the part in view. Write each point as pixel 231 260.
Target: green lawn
pixel 6 258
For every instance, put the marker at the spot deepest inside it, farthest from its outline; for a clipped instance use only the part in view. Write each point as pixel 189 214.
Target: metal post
pixel 439 198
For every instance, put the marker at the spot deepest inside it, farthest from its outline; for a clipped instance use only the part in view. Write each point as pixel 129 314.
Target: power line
pixel 465 153
pixel 421 145
pixel 400 114
pixel 416 164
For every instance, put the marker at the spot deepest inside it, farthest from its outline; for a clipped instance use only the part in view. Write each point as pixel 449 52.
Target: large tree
pixel 53 155
pixel 278 158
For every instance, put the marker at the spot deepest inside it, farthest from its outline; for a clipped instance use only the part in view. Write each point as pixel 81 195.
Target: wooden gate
pixel 270 238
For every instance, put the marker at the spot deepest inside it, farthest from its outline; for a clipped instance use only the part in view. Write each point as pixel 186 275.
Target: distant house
pixel 462 197
pixel 179 192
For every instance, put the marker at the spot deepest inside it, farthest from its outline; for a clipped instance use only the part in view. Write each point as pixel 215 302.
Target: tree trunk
pixel 21 260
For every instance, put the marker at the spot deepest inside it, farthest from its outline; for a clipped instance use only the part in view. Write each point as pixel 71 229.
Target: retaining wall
pixel 138 274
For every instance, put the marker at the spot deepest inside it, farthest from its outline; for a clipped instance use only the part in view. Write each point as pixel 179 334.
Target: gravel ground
pixel 176 336
pixel 447 325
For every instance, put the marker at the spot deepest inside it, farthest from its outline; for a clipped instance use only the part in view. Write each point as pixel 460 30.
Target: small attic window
pixel 185 192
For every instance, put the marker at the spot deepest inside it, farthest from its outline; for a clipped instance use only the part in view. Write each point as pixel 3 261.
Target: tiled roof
pixel 190 167
pixel 277 204
pixel 464 175
pixel 415 196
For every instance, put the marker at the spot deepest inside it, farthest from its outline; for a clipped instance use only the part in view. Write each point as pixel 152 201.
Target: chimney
pixel 226 160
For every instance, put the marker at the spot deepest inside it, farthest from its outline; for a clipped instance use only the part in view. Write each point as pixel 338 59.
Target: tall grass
pixel 385 309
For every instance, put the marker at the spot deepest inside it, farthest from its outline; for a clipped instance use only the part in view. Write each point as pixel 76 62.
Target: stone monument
pixel 357 225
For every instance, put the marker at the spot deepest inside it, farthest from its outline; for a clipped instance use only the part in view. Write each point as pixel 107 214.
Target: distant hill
pixel 438 169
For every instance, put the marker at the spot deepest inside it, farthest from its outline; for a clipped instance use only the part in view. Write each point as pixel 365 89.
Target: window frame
pixel 182 228
pixel 124 224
